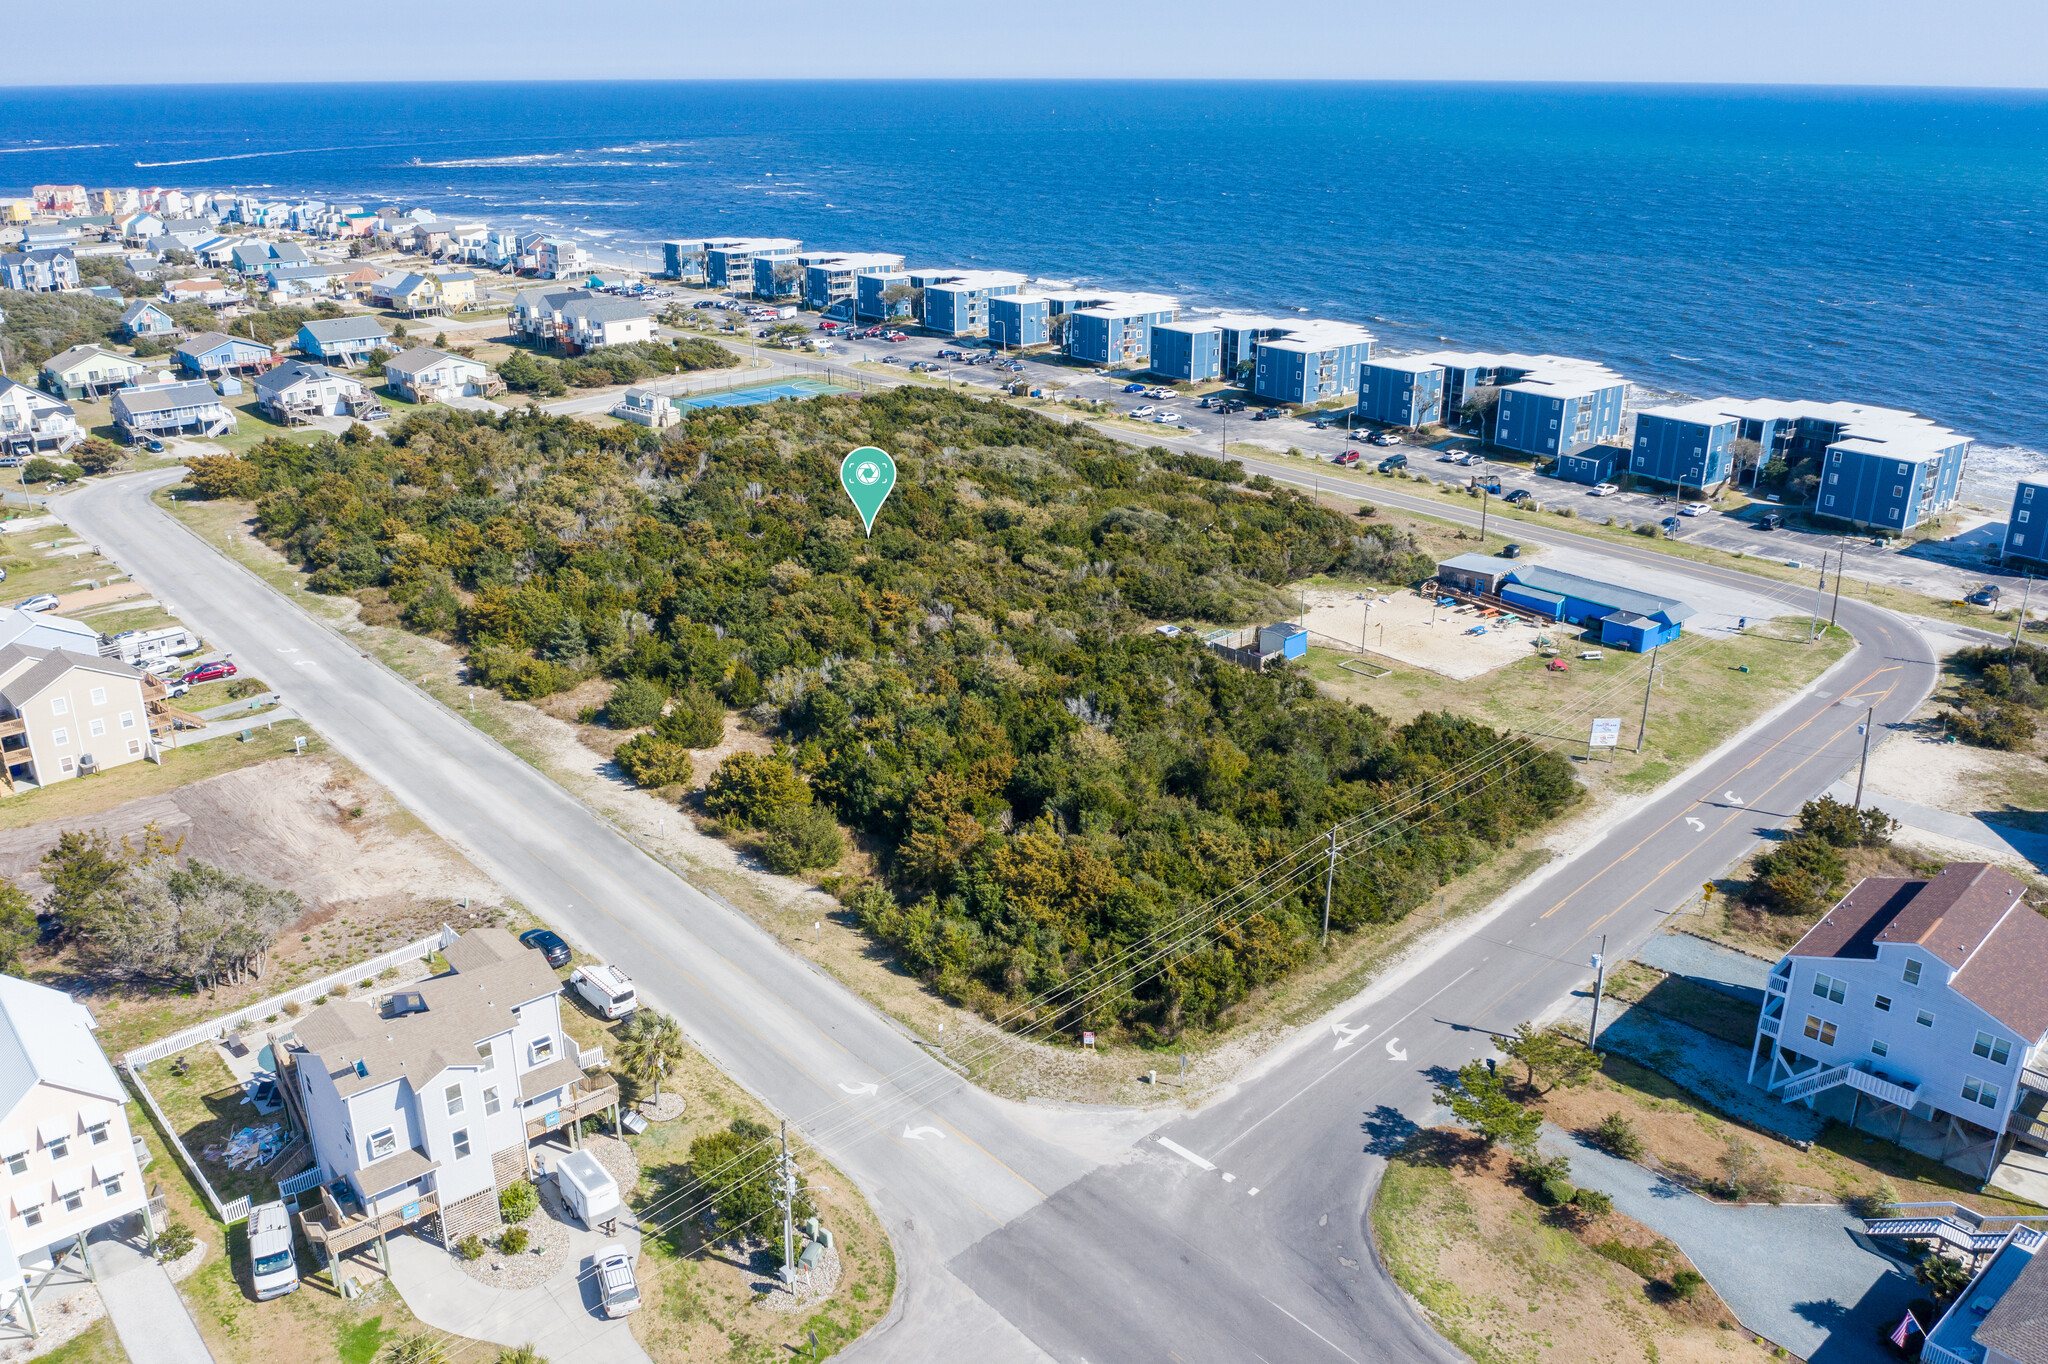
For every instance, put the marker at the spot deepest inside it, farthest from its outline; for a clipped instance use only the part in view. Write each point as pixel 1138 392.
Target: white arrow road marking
pixel 1254 1193
pixel 1186 1154
pixel 1732 798
pixel 287 651
pixel 1400 1055
pixel 1346 1036
pixel 920 1133
pixel 1699 826
pixel 868 1088
pixel 1230 1179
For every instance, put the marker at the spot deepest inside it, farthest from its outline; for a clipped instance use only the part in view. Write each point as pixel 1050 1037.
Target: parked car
pixel 1165 393
pixel 210 672
pixel 616 1286
pixel 1166 418
pixel 1670 525
pixel 1518 496
pixel 1393 462
pixel 1605 489
pixel 1383 438
pixel 607 989
pixel 1693 509
pixel 153 445
pixel 1144 411
pixel 1986 595
pixel 1268 414
pixel 1470 458
pixel 1347 459
pixel 1771 521
pixel 41 601
pixel 177 687
pixel 1134 388
pixel 548 943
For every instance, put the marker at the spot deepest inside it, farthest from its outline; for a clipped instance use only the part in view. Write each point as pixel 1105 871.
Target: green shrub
pixel 513 1240
pixel 174 1241
pixel 1871 1203
pixel 697 720
pixel 1616 1134
pixel 799 838
pixel 1645 1263
pixel 417 1349
pixel 1536 1169
pixel 471 1247
pixel 750 789
pixel 1592 1202
pixel 1557 1191
pixel 635 703
pixel 517 1202
pixel 1747 1176
pixel 1802 876
pixel 1686 1284
pixel 652 761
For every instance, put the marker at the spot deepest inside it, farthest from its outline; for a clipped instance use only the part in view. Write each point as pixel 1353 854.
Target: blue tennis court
pixel 764 393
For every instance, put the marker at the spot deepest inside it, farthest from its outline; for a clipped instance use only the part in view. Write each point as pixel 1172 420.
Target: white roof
pixel 858 260
pixel 1865 426
pixel 978 279
pixel 46 1038
pixel 581 1169
pixel 1555 376
pixel 1128 305
pixel 51 632
pixel 757 244
pixel 1320 334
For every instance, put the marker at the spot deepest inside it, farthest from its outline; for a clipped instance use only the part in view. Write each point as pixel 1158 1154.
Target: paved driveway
pixel 561 1317
pixel 148 1315
pixel 1804 1277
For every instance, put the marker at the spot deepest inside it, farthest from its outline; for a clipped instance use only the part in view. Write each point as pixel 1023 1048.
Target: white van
pixel 273 1271
pixel 606 989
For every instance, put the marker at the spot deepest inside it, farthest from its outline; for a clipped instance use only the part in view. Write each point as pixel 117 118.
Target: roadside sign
pixel 868 474
pixel 1606 733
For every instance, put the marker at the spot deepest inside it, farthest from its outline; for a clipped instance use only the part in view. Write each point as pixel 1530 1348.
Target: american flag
pixel 1906 1328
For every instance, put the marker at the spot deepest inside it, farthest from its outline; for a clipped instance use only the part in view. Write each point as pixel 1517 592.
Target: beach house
pixel 64 713
pixel 299 390
pixel 39 271
pixel 144 318
pixel 344 341
pixel 1914 1010
pixel 34 423
pixel 426 375
pixel 458 289
pixel 210 292
pixel 184 407
pixel 423 1102
pixel 212 353
pixel 2026 525
pixel 89 372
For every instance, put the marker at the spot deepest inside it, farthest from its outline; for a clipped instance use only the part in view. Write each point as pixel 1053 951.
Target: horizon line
pixel 1332 81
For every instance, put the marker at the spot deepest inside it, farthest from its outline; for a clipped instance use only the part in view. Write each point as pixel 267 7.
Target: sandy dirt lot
pixel 1407 627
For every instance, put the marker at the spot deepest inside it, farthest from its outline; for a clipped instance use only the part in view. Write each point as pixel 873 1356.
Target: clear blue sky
pixel 1806 42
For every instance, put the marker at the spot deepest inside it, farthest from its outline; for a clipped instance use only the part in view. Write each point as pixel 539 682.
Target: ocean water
pixel 1855 244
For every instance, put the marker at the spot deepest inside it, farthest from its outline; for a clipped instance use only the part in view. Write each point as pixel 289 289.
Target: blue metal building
pixel 1406 391
pixel 1191 352
pixel 1625 618
pixel 1313 361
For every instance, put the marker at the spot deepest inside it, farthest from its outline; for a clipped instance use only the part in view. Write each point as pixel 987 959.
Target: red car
pixel 895 336
pixel 1348 457
pixel 210 672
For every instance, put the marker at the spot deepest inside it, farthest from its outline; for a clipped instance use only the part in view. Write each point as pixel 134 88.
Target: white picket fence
pixel 139 1058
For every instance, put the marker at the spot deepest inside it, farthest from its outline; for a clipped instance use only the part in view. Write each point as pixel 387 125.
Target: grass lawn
pixel 32 569
pixel 119 619
pixel 81 797
pixel 1510 1279
pixel 207 695
pixel 1686 1137
pixel 97 1344
pixel 206 1108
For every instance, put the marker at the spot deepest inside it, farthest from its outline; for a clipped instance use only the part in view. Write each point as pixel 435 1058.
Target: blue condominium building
pixel 1118 329
pixel 871 295
pixel 1407 390
pixel 1191 352
pixel 730 264
pixel 956 303
pixel 1311 362
pixel 686 260
pixel 1020 319
pixel 1548 405
pixel 831 279
pixel 2026 526
pixel 1879 467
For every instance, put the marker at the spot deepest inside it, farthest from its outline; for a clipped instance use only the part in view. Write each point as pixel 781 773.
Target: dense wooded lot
pixel 979 689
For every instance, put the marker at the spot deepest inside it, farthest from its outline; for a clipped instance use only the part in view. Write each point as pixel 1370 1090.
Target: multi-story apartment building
pixel 1116 329
pixel 729 264
pixel 2026 525
pixel 1879 467
pixel 424 1102
pixel 832 279
pixel 1915 1008
pixel 956 302
pixel 1547 405
pixel 1310 362
pixel 71 1164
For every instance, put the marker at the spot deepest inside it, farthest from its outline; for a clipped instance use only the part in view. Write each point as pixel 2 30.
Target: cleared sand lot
pixel 1409 628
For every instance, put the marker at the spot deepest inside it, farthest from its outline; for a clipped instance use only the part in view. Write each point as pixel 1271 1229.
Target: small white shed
pixel 587 1188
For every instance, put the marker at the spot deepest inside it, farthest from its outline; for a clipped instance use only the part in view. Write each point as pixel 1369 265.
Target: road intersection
pixel 1238 1231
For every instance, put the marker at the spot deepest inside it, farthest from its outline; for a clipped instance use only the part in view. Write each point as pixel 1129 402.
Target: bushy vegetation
pixel 518 1201
pixel 38 326
pixel 525 372
pixel 1996 707
pixel 976 691
pixel 736 1166
pixel 1806 873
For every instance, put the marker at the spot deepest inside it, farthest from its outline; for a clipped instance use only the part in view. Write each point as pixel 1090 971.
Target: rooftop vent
pixel 407 1002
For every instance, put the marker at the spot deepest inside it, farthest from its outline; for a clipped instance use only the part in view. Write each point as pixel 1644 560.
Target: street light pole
pixel 2021 623
pixel 1869 723
pixel 1599 965
pixel 1329 887
pixel 1841 557
pixel 1813 625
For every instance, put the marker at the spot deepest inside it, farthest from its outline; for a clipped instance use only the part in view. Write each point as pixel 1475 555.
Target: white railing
pixel 590 1058
pixel 1818 1079
pixel 1930 1353
pixel 299 994
pixel 301 1182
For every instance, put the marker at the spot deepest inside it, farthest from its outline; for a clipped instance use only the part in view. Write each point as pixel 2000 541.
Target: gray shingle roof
pixel 326 330
pixel 50 665
pixel 211 341
pixel 421 358
pixel 57 364
pixel 2018 1326
pixel 598 308
pixel 281 377
pixel 164 397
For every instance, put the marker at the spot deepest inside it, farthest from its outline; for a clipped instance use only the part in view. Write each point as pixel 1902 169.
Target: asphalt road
pixel 1026 1234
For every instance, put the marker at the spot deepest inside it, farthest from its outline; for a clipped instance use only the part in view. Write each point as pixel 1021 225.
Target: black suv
pixel 548 943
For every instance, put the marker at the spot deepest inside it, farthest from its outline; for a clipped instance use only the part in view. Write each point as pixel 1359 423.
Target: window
pixel 491 1099
pixel 1977 1092
pixel 1998 1049
pixel 382 1144
pixel 1831 499
pixel 111 1187
pixel 1912 973
pixel 33 1216
pixel 17 1164
pixel 127 719
pixel 1925 1019
pixel 1833 479
pixel 1879 1049
pixel 1902 468
pixel 100 1134
pixel 2023 517
pixel 96 727
pixel 99 696
pixel 65 764
pixel 453 1095
pixel 1820 1030
pixel 1829 988
pixel 1884 1004
pixel 58 705
pixel 74 1200
pixel 60 1148
pixel 461 1143
pixel 484 1052
pixel 134 748
pixel 543 1049
pixel 60 735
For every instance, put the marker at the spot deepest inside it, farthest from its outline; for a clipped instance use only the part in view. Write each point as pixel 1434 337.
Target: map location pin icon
pixel 868 474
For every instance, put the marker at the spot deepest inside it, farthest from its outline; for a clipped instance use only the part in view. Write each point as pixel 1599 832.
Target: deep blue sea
pixel 1858 244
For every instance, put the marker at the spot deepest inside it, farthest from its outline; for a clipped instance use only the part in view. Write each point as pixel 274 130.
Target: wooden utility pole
pixel 1644 725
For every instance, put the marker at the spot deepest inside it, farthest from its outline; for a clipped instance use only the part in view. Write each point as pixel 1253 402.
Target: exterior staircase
pixel 1815 1081
pixel 1952 1224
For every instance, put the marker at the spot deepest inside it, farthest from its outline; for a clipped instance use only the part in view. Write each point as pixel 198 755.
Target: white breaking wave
pixel 246 156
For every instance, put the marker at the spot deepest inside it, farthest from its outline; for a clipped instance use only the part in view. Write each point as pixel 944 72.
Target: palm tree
pixel 648 1045
pixel 521 1354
